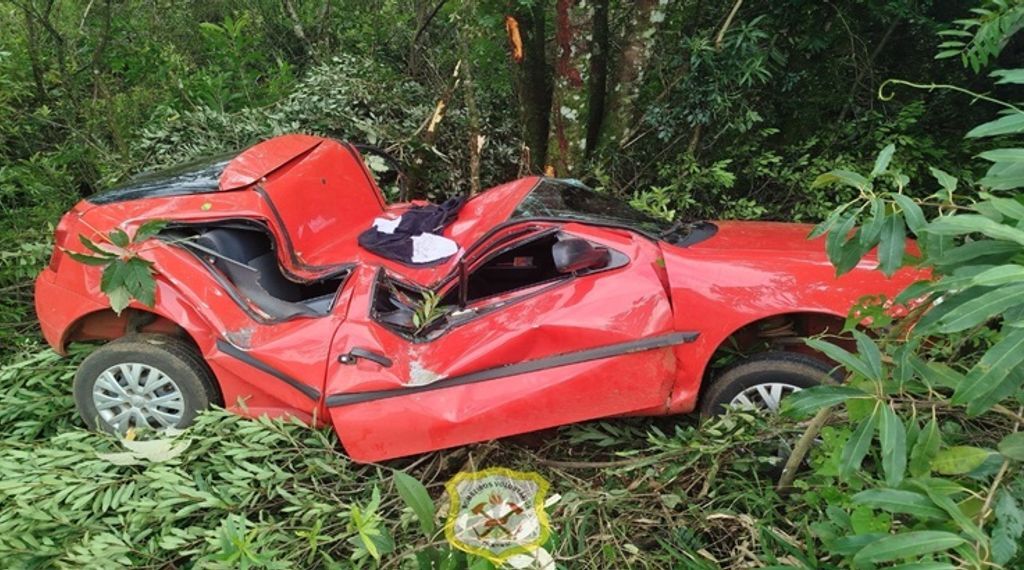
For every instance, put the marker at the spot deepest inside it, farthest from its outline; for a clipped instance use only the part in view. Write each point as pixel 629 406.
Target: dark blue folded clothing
pixel 399 245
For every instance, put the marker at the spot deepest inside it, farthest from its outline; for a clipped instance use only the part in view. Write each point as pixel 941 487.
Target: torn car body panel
pixel 559 305
pixel 572 340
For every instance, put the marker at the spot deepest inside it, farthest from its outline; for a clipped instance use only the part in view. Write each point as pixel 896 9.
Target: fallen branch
pixel 802 447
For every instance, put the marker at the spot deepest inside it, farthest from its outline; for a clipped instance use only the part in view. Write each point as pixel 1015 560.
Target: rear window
pixel 196 177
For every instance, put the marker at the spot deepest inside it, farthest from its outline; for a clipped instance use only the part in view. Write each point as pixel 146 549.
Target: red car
pixel 554 304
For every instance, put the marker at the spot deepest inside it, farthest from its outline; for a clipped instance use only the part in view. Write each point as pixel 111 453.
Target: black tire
pixel 782 367
pixel 173 356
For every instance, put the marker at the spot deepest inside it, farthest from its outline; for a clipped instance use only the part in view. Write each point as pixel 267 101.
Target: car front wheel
pixel 143 381
pixel 763 381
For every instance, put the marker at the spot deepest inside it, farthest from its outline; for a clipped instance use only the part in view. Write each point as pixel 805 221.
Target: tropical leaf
pixel 908 545
pixel 959 459
pixel 882 161
pixel 858 444
pixel 849 361
pixel 1009 124
pixel 806 402
pixel 927 446
pixel 893 435
pixel 418 499
pixel 991 372
pixel 903 502
pixel 1012 446
pixel 845 177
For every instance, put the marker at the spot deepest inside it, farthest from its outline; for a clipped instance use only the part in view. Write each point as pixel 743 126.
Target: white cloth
pixel 431 247
pixel 386 225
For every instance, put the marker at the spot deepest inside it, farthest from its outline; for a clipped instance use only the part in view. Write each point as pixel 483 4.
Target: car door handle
pixel 356 353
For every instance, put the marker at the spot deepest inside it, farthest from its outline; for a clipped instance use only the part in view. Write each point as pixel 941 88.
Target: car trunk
pixel 318 192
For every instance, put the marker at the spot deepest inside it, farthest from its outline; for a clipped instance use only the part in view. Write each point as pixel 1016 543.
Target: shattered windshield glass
pixel 567 199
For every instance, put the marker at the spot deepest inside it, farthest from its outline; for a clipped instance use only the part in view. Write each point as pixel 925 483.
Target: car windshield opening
pixel 566 199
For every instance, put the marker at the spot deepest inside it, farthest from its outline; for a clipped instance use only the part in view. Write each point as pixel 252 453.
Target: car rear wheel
pixel 147 381
pixel 763 381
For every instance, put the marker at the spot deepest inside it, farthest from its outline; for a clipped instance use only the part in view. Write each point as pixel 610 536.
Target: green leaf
pixel 1012 446
pixel 149 229
pixel 847 360
pixel 1009 124
pixel 91 246
pixel 870 231
pixel 923 566
pixel 908 545
pixel 903 502
pixel 911 212
pixel 893 436
pixel 868 350
pixel 837 237
pixel 1004 176
pixel 1003 154
pixel 119 299
pixel 805 402
pixel 820 229
pixel 1000 275
pixel 980 309
pixel 959 459
pixel 1008 207
pixel 857 446
pixel 882 161
pixel 991 372
pixel 939 493
pixel 892 245
pixel 842 177
pixel 1009 527
pixel 418 499
pixel 1008 76
pixel 975 250
pixel 945 180
pixel 973 223
pixel 88 259
pixel 138 279
pixel 119 238
pixel 925 449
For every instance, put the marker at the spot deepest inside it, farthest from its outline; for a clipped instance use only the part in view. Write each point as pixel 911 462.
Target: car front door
pixel 531 349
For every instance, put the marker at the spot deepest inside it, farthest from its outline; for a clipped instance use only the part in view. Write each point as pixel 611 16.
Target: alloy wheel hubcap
pixel 766 396
pixel 137 395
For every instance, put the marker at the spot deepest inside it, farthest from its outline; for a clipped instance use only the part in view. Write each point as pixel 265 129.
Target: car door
pixel 564 349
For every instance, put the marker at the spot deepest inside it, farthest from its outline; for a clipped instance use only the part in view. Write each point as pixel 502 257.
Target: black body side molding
pixel 347 399
pixel 230 350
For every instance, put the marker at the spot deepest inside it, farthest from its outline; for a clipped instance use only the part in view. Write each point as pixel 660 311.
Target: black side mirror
pixel 574 254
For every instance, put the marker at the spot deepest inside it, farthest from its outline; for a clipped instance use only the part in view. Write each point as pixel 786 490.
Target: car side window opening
pixel 527 267
pixel 247 259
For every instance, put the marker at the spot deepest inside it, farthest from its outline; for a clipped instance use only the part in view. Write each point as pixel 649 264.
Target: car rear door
pixel 582 347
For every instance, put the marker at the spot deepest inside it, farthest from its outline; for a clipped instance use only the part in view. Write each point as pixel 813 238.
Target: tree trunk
pixel 476 139
pixel 532 78
pixel 567 141
pixel 637 45
pixel 599 52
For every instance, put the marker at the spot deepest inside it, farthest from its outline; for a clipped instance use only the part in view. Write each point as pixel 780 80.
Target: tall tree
pixel 584 103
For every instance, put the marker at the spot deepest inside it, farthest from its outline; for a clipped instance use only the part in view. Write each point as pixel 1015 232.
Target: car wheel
pixel 143 381
pixel 762 381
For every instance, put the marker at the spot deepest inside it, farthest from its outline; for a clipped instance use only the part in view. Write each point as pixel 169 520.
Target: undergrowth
pixel 231 492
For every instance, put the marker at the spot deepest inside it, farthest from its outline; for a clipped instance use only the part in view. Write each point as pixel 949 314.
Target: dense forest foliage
pixel 691 109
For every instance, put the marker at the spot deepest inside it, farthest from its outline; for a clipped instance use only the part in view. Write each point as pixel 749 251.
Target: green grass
pixel 633 493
